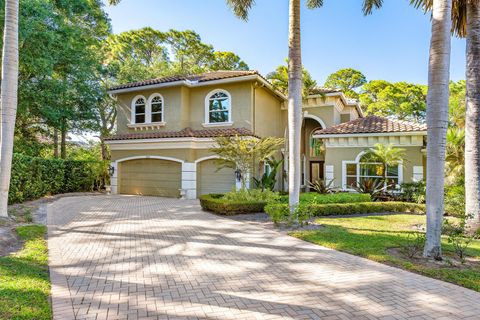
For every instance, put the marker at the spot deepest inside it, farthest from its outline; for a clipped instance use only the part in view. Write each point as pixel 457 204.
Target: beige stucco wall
pixel 268 117
pixel 185 107
pixel 335 156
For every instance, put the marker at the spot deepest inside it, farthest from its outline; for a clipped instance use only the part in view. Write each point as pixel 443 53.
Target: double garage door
pixel 154 177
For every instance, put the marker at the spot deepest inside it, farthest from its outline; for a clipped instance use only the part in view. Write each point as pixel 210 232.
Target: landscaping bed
pixel 395 240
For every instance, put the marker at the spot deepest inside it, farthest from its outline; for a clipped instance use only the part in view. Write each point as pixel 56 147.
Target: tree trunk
pixel 437 122
pixel 472 120
pixel 63 143
pixel 294 104
pixel 8 99
pixel 55 143
pixel 103 146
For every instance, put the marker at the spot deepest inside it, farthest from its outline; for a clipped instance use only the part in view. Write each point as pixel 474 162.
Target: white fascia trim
pixel 344 99
pixel 191 84
pixel 385 134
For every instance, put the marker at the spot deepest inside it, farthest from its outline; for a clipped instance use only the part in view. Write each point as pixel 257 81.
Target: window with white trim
pixel 367 168
pixel 140 110
pixel 218 107
pixel 156 107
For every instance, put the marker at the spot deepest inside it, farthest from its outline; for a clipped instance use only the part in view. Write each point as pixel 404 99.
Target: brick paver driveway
pixel 121 257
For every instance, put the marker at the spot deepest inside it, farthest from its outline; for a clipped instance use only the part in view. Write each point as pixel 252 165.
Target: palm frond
pixel 240 8
pixel 113 2
pixel 369 5
pixel 312 4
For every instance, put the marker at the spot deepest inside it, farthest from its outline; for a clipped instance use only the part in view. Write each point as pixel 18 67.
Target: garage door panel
pixel 211 180
pixel 151 177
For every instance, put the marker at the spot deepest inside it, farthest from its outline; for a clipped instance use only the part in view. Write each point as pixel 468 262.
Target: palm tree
pixel 241 9
pixel 437 114
pixel 466 23
pixel 388 156
pixel 8 99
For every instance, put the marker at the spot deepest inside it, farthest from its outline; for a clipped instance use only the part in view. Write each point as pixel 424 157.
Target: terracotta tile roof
pixel 373 124
pixel 203 77
pixel 184 133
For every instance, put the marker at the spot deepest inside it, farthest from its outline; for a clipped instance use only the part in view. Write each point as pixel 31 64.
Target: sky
pixel 391 44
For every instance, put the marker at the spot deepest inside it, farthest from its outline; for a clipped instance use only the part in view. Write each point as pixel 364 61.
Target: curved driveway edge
pixel 128 257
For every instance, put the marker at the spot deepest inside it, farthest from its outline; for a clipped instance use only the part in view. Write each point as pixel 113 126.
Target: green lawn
pixel 24 282
pixel 371 236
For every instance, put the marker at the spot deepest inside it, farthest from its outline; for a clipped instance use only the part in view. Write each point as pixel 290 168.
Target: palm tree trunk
pixel 472 119
pixel 8 97
pixel 437 122
pixel 294 103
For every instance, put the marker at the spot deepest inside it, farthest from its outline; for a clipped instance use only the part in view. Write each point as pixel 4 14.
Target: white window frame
pixel 149 108
pixel 207 122
pixel 133 109
pixel 357 162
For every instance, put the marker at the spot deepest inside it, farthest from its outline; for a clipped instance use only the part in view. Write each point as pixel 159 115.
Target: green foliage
pixel 279 80
pixel 369 186
pixel 347 80
pixel 414 244
pixel 455 155
pixel 456 236
pixel 241 153
pixel 309 210
pixel 34 177
pixel 342 197
pixel 401 100
pixel 456 105
pixel 268 179
pixel 414 192
pixel 455 200
pixel 251 195
pixel 321 187
pixel 217 204
pixel 24 284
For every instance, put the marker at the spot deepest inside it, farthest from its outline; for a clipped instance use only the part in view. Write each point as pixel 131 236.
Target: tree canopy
pixel 348 80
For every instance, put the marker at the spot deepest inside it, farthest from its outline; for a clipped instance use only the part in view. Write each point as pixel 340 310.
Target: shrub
pixel 413 192
pixel 34 177
pixel 278 211
pixel 343 197
pixel 455 200
pixel 218 204
pixel 251 195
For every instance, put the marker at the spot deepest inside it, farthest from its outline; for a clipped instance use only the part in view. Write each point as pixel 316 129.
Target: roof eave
pixel 367 134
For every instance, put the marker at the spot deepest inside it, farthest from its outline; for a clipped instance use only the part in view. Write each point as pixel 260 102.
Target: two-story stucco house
pixel 166 126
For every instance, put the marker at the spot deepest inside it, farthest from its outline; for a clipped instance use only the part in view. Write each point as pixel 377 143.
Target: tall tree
pixel 465 16
pixel 348 80
pixel 241 9
pixel 437 116
pixel 472 123
pixel 437 123
pixel 8 99
pixel 401 100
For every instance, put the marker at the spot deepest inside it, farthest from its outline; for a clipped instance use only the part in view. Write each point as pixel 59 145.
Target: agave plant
pixel 374 187
pixel 320 186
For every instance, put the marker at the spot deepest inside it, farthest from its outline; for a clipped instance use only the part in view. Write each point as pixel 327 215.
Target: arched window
pixel 367 167
pixel 218 107
pixel 156 108
pixel 139 110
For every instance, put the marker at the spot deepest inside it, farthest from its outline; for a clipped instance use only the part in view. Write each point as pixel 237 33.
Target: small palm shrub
pixel 320 186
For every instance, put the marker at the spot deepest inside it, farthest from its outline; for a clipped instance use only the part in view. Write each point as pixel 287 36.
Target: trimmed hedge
pixel 215 203
pixel 342 197
pixel 280 212
pixel 34 177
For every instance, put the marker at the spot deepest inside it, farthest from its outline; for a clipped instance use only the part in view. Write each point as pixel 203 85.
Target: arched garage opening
pixel 212 180
pixel 150 176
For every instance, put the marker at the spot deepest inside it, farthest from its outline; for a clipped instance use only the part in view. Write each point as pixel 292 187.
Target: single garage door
pixel 209 180
pixel 150 177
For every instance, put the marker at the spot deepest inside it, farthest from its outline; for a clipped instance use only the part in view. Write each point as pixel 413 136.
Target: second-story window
pixel 157 109
pixel 219 107
pixel 140 107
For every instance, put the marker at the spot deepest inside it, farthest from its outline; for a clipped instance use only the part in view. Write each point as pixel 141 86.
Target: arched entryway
pixel 312 152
